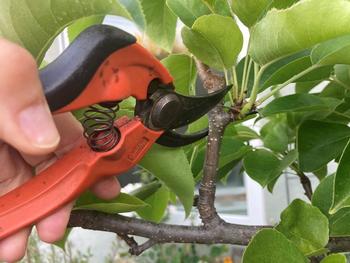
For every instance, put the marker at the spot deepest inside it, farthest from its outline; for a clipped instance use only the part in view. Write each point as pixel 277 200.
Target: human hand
pixel 31 139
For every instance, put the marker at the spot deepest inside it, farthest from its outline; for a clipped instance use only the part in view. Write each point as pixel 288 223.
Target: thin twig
pixel 306 183
pixel 304 180
pixel 135 248
pixel 130 241
pixel 136 251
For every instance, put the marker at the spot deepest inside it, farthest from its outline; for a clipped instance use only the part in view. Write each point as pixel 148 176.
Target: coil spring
pixel 99 129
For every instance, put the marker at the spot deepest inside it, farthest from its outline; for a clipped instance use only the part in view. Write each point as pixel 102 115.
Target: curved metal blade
pixel 196 107
pixel 172 110
pixel 174 139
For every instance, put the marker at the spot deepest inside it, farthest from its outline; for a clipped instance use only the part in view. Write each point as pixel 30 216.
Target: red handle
pixel 67 178
pixel 46 192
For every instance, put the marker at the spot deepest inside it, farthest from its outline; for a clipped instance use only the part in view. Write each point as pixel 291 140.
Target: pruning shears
pixel 104 66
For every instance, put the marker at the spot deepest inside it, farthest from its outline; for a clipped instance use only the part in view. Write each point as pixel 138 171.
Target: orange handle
pixel 75 172
pixel 47 192
pixel 125 70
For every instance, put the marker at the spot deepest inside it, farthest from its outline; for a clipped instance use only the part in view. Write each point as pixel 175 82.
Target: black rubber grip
pixel 66 77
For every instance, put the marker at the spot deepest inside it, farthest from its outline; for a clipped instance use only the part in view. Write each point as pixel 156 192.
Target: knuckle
pixel 19 77
pixel 17 63
pixel 16 55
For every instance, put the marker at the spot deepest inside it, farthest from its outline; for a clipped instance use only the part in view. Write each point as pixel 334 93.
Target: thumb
pixel 25 119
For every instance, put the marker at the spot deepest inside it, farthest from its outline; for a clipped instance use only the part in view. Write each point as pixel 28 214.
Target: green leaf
pixel 321 173
pixel 147 190
pixel 333 90
pixel 275 136
pixel 241 132
pixel 339 225
pixel 284 164
pixel 220 7
pixel 198 125
pixel 160 23
pixel 320 142
pixel 204 40
pixel 306 87
pixel 272 184
pixel 309 235
pixel 250 11
pixel 188 10
pixel 332 104
pixel 342 72
pixel 262 166
pixel 76 28
pixel 231 150
pixel 158 203
pixel 283 32
pixel 341 197
pixel 282 63
pixel 183 69
pixel 171 166
pixel 322 197
pixel 225 171
pixel 331 52
pixel 121 204
pixel 269 245
pixel 283 4
pixel 334 258
pixel 135 10
pixel 293 68
pixel 35 24
pixel 300 102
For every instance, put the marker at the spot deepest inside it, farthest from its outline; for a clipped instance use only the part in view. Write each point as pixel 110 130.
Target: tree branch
pixel 224 233
pixel 339 244
pixel 218 120
pixel 211 81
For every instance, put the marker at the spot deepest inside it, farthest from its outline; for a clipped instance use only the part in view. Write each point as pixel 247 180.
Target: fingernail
pixel 37 125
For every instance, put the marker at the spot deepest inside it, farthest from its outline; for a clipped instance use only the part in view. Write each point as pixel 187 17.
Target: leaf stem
pixel 336 80
pixel 209 7
pixel 235 83
pixel 258 74
pixel 228 82
pixel 341 114
pixel 193 155
pixel 246 81
pixel 244 74
pixel 291 80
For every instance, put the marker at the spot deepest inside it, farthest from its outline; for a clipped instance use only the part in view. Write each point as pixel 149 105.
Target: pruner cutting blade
pixel 170 110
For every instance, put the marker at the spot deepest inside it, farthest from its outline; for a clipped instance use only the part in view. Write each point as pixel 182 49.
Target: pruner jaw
pixel 168 110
